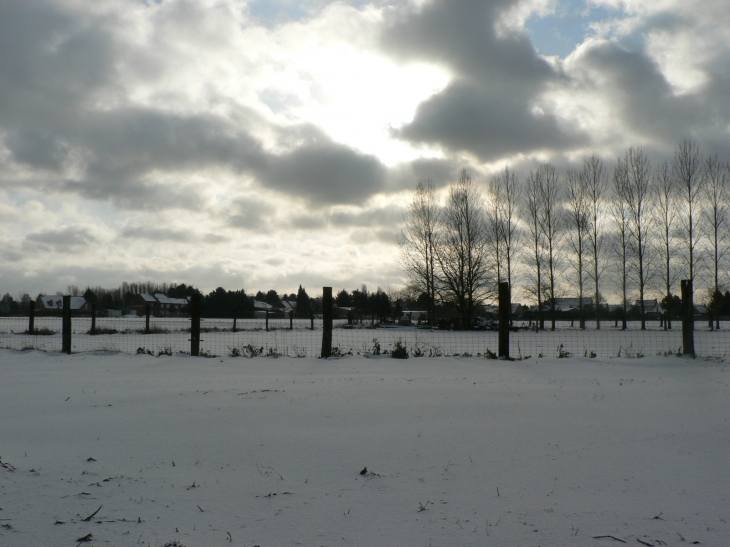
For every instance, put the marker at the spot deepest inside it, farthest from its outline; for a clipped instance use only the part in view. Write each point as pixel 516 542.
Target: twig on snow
pixel 609 537
pixel 87 519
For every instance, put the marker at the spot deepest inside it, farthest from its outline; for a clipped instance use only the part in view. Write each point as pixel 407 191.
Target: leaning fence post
pixel 195 325
pixel 31 317
pixel 504 309
pixel 66 325
pixel 93 319
pixel 327 322
pixel 688 338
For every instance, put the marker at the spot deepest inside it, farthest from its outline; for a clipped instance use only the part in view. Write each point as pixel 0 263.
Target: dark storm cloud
pixel 58 65
pixel 406 175
pixel 249 214
pixel 52 62
pixel 307 222
pixel 325 172
pixel 390 215
pixel 648 105
pixel 488 109
pixel 63 239
pixel 38 148
pixel 466 116
pixel 131 144
pixel 637 87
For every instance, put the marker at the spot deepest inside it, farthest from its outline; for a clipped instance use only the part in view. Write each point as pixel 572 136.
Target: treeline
pixel 364 304
pixel 630 229
pixel 217 303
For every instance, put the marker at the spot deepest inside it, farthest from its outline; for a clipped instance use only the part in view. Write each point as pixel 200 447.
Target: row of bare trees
pixel 631 231
pixel 446 249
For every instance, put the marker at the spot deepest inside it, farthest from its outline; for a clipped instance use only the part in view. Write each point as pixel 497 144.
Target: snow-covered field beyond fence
pixel 125 450
pixel 172 336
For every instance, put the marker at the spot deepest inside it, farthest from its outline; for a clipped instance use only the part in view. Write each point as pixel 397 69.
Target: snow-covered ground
pixel 139 450
pixel 172 336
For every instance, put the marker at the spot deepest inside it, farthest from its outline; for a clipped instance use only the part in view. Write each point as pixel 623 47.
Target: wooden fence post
pixel 31 317
pixel 311 318
pixel 147 319
pixel 195 325
pixel 93 319
pixel 267 319
pixel 327 320
pixel 688 338
pixel 504 309
pixel 234 322
pixel 291 320
pixel 66 325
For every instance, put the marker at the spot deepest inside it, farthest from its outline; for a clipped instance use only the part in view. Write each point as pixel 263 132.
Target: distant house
pixel 570 304
pixel 518 310
pixel 413 316
pixel 260 308
pixel 490 309
pixel 140 303
pixel 160 305
pixel 171 307
pixel 701 312
pixel 652 308
pixel 47 302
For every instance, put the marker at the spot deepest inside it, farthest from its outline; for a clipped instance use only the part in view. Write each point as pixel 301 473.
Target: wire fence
pixel 250 338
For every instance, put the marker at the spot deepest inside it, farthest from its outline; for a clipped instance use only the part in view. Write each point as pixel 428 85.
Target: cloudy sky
pixel 268 143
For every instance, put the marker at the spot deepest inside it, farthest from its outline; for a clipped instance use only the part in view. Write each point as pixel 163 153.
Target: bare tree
pixel 665 212
pixel 417 241
pixel 463 277
pixel 495 223
pixel 595 181
pixel 620 242
pixel 533 196
pixel 715 214
pixel 551 224
pixel 687 169
pixel 505 195
pixel 578 227
pixel 638 196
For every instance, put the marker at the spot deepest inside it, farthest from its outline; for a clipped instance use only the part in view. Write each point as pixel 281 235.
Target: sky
pixel 267 144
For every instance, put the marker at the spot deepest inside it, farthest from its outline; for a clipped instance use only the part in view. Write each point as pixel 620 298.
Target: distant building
pixel 260 308
pixel 171 307
pixel 47 302
pixel 652 308
pixel 160 305
pixel 413 316
pixel 570 304
pixel 140 303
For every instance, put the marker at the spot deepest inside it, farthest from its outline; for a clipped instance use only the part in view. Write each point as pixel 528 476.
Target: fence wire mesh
pixel 250 338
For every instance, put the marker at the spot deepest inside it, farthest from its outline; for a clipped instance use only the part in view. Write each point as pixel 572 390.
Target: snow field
pixel 170 336
pixel 459 451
